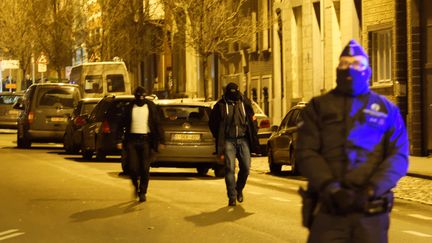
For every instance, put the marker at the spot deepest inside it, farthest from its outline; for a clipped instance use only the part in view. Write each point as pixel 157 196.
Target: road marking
pixel 419 216
pixel 10 234
pixel 280 199
pixel 254 193
pixel 275 184
pixel 417 233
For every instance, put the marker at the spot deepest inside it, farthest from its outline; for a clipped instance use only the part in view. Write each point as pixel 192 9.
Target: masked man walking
pixel 142 133
pixel 233 124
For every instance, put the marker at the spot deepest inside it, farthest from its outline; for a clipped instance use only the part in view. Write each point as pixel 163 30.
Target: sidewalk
pixel 420 167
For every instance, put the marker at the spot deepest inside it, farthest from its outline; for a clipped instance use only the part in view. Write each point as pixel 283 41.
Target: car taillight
pixel 79 121
pixel 30 117
pixel 106 127
pixel 264 124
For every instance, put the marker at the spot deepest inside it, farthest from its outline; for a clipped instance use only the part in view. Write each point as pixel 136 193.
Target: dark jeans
pixel 236 148
pixel 138 154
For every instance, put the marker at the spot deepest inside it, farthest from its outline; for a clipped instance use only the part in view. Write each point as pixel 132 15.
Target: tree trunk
pixel 204 68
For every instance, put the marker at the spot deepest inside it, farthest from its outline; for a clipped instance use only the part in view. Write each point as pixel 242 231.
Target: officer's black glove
pixel 363 196
pixel 338 200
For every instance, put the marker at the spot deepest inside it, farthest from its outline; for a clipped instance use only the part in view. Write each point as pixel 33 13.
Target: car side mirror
pixel 274 128
pixel 19 105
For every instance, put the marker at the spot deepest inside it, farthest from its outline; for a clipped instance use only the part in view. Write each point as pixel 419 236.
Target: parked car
pixel 99 133
pixel 264 128
pixel 73 133
pixel 281 144
pixel 188 140
pixel 45 109
pixel 9 115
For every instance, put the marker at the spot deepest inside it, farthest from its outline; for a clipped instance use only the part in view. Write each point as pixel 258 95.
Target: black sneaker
pixel 240 196
pixel 231 202
pixel 142 197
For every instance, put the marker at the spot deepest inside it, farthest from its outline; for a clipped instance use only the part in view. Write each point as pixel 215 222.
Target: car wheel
pixel 219 171
pixel 274 168
pixel 100 155
pixel 22 140
pixel 124 162
pixel 202 171
pixel 68 145
pixel 87 154
pixel 263 149
pixel 294 169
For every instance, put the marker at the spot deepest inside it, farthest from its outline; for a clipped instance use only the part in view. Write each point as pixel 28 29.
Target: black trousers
pixel 139 158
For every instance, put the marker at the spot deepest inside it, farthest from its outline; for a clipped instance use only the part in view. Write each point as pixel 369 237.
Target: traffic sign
pixel 42 59
pixel 9 64
pixel 42 67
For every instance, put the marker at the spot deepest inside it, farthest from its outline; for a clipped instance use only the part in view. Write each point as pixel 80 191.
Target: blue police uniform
pixel 353 148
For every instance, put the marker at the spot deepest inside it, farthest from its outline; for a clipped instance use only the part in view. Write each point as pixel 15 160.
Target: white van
pixel 98 79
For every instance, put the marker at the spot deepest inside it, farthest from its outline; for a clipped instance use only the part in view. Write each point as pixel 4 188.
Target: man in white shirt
pixel 142 133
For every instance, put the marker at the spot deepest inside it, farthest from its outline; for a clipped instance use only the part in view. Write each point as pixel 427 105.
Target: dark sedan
pixel 73 133
pixel 281 144
pixel 189 142
pixel 99 133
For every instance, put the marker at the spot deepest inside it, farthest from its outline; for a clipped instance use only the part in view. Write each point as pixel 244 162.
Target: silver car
pixel 188 140
pixel 8 115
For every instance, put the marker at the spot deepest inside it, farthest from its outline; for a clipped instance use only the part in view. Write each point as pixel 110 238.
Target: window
pixel 115 83
pixel 381 55
pixel 93 84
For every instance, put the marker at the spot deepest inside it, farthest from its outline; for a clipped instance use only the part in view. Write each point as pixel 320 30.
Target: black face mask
pixel 138 100
pixel 357 85
pixel 234 96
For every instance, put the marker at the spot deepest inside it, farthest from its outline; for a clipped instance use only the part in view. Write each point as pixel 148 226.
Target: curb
pixel 427 177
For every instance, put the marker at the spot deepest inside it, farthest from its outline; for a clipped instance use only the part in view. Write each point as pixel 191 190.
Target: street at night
pixel 49 196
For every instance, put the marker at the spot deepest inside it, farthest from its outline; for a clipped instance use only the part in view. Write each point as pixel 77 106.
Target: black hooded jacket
pixel 218 123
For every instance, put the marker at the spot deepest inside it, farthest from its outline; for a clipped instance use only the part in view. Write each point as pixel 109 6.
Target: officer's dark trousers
pixel 350 228
pixel 138 154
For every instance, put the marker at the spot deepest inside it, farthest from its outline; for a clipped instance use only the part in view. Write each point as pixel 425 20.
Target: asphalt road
pixel 49 196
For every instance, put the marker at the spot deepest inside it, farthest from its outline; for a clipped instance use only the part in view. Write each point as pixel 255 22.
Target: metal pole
pixel 33 68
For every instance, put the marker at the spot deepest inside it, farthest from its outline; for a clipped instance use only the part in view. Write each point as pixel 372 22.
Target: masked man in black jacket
pixel 142 133
pixel 352 147
pixel 233 124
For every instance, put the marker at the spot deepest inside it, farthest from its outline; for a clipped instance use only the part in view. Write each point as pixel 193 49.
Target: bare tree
pixel 209 27
pixel 54 22
pixel 17 35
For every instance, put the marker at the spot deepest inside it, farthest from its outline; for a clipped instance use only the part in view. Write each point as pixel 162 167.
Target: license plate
pixel 185 137
pixel 58 119
pixel 13 112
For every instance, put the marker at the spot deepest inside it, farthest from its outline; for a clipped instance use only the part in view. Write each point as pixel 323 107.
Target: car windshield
pixel 87 108
pixel 175 112
pixel 8 99
pixel 64 96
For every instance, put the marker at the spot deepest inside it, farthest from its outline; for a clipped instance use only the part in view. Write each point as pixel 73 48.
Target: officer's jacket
pixel 359 141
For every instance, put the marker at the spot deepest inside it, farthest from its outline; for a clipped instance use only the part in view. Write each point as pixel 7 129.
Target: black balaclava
pixel 359 82
pixel 232 92
pixel 140 94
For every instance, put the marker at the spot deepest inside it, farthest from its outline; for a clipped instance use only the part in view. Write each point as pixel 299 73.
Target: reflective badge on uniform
pixel 374 116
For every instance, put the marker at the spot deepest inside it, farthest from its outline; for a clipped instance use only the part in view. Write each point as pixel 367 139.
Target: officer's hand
pixel 161 146
pixel 344 200
pixel 222 157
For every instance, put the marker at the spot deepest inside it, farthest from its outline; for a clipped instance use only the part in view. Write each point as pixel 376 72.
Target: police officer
pixel 353 149
pixel 142 133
